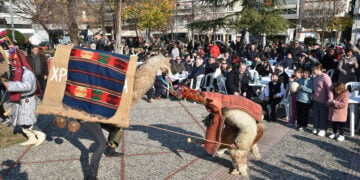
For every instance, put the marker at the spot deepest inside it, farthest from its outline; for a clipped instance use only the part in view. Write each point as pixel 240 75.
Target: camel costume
pixel 243 126
pixel 98 89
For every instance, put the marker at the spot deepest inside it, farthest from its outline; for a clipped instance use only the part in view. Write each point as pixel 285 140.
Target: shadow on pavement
pixel 325 172
pixel 58 135
pixel 273 172
pixel 342 155
pixel 15 170
pixel 176 142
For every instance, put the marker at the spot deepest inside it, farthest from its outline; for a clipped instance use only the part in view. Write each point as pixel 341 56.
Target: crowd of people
pixel 232 67
pixel 321 75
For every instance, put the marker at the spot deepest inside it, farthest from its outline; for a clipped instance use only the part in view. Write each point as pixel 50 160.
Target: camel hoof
pixel 257 156
pixel 220 152
pixel 235 172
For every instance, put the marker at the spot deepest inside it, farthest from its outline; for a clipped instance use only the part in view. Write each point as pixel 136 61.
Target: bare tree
pixel 42 12
pixel 72 23
pixel 321 15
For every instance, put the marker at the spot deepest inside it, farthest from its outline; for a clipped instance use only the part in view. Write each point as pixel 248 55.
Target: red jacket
pixel 215 51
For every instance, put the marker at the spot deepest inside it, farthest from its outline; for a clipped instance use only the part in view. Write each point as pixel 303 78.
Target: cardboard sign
pixel 57 83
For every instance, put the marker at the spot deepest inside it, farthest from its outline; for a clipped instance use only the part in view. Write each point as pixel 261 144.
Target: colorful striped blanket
pixel 95 81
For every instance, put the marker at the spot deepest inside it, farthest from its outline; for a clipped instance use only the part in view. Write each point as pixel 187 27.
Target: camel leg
pixel 228 136
pixel 255 151
pixel 244 139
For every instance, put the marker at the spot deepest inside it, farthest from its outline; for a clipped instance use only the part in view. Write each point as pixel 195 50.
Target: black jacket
pixel 232 81
pixel 43 61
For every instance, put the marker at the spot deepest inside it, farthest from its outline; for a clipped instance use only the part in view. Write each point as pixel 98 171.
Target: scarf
pixel 18 61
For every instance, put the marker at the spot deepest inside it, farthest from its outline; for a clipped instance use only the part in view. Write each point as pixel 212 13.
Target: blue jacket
pixel 306 89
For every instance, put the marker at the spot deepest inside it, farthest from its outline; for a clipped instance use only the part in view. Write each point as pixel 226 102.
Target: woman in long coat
pixel 347 67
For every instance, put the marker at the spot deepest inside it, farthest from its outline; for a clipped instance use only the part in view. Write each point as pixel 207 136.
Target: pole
pixel 176 19
pixel 12 21
pixel 193 19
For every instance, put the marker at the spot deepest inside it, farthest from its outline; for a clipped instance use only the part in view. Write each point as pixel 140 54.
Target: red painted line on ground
pixel 77 159
pixel 20 157
pixel 182 168
pixel 161 107
pixel 122 160
pixel 16 162
pixel 192 116
pixel 152 153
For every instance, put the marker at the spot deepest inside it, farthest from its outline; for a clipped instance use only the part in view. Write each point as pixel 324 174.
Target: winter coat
pixel 322 88
pixel 338 110
pixel 23 113
pixel 305 90
pixel 215 51
pixel 43 63
pixel 233 79
pixel 177 67
pixel 347 68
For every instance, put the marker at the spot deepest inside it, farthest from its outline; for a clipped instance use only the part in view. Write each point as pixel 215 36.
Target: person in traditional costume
pixel 144 79
pixel 23 89
pixel 234 123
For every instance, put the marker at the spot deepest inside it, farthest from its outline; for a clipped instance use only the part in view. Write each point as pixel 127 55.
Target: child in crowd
pixel 338 110
pixel 293 114
pixel 321 94
pixel 303 99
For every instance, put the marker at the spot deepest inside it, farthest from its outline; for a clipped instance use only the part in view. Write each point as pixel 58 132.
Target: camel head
pixel 145 75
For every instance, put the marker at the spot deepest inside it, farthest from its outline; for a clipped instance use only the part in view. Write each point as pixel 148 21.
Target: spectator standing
pixel 321 94
pixel 175 52
pixel 296 51
pixel 288 61
pixel 330 60
pixel 252 53
pixel 347 67
pixel 319 54
pixel 38 63
pixel 338 110
pixel 303 99
pixel 214 50
pixel 293 109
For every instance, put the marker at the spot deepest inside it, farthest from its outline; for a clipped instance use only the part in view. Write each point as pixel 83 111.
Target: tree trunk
pixel 147 38
pixel 102 18
pixel 323 37
pixel 118 45
pixel 73 28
